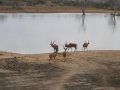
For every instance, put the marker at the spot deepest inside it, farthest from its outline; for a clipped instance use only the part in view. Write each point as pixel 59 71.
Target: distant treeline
pixel 108 4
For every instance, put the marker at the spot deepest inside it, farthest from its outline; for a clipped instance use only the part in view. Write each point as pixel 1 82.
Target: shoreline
pixel 46 53
pixel 53 9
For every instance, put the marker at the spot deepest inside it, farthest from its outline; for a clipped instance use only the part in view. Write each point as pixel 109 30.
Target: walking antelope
pixel 85 45
pixel 54 46
pixel 64 53
pixel 71 45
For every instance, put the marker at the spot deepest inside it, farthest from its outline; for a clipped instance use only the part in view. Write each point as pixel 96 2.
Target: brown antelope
pixel 64 53
pixel 52 56
pixel 54 46
pixel 71 45
pixel 85 45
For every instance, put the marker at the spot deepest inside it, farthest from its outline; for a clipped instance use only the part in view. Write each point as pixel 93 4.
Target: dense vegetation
pixel 108 4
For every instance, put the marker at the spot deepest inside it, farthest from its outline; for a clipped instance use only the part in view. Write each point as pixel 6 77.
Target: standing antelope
pixel 71 45
pixel 85 45
pixel 64 53
pixel 55 46
pixel 52 56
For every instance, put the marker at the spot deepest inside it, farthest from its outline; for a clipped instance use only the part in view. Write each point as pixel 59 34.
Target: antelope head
pixel 65 48
pixel 54 46
pixel 52 43
pixel 88 43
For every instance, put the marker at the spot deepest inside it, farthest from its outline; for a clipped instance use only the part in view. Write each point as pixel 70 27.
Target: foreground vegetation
pixel 92 70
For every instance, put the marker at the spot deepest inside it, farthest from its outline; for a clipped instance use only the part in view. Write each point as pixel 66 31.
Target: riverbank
pixel 51 9
pixel 92 70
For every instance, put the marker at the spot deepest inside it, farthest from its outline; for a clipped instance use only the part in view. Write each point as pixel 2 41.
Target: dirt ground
pixel 91 70
pixel 51 9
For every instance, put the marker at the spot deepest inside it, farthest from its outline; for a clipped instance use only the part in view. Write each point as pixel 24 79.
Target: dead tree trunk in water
pixel 84 6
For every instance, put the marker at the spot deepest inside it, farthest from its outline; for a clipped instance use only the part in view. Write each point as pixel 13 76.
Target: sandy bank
pixel 53 9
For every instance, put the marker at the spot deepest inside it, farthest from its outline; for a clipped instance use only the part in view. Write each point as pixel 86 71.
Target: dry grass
pixel 92 70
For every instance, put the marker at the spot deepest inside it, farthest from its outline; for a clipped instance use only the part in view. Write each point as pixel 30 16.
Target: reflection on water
pixel 32 33
pixel 83 22
pixel 3 18
pixel 112 21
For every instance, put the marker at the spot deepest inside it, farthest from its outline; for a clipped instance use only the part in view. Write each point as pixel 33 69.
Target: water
pixel 32 33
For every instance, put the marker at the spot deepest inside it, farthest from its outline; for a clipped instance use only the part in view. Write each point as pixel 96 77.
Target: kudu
pixel 85 45
pixel 64 53
pixel 71 45
pixel 54 46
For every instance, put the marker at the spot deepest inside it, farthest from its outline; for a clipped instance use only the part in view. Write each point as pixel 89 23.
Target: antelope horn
pixel 51 41
pixel 63 46
pixel 54 41
pixel 66 42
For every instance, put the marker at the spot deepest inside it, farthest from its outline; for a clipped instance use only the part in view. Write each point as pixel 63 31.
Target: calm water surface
pixel 32 33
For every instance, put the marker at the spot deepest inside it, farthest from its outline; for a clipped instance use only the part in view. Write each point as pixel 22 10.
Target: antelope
pixel 71 45
pixel 85 45
pixel 54 46
pixel 52 56
pixel 64 53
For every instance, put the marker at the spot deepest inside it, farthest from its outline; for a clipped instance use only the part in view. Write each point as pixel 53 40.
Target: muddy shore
pixel 51 9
